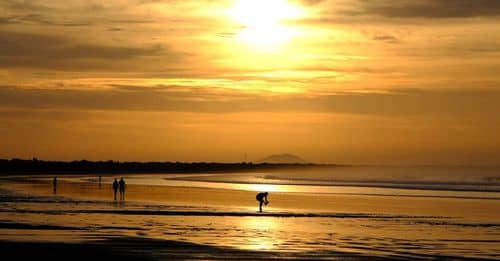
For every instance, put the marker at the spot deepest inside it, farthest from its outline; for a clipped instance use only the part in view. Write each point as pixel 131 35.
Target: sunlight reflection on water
pixel 263 187
pixel 165 180
pixel 262 228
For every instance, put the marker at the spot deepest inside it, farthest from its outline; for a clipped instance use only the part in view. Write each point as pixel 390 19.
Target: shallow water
pixel 372 221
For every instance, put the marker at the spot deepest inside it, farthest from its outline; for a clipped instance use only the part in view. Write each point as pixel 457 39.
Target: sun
pixel 263 21
pixel 259 13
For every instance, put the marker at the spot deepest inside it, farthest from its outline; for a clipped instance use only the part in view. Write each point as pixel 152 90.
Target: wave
pixel 390 184
pixel 479 179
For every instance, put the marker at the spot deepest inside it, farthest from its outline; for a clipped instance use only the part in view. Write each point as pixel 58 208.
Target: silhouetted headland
pixel 284 158
pixel 35 166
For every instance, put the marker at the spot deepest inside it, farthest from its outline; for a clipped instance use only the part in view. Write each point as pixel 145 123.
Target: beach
pixel 201 216
pixel 249 130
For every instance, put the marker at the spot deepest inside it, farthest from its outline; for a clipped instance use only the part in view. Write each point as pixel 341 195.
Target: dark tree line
pixel 35 166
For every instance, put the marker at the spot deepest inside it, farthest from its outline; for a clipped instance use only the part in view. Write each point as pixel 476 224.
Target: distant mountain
pixel 283 159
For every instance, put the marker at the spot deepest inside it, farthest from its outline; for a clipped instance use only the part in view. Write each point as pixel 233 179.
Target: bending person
pixel 262 198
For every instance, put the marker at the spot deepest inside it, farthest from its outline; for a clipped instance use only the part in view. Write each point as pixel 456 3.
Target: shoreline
pixel 368 184
pixel 218 178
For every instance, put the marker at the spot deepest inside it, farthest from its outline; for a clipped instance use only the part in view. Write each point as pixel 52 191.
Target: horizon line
pixel 326 164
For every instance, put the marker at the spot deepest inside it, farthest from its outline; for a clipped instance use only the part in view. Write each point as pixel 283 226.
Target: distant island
pixel 35 166
pixel 283 159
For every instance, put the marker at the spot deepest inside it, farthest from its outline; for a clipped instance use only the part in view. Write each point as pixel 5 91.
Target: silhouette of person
pixel 54 185
pixel 115 186
pixel 262 198
pixel 122 188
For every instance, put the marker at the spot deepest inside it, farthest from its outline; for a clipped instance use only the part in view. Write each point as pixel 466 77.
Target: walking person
pixel 54 185
pixel 122 188
pixel 115 187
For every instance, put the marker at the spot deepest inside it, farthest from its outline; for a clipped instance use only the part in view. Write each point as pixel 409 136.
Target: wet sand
pixel 470 209
pixel 225 224
pixel 135 248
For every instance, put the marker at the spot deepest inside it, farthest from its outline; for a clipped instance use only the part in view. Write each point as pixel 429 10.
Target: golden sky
pixel 346 81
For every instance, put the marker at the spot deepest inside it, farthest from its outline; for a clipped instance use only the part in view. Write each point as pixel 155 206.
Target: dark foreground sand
pixel 135 248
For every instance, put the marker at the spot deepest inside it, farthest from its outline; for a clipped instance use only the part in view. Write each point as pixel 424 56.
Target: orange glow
pixel 264 21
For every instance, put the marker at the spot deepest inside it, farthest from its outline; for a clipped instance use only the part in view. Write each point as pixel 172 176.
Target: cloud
pixel 72 13
pixel 465 104
pixel 6 20
pixel 114 29
pixel 430 8
pixel 23 5
pixel 43 20
pixel 55 52
pixel 311 2
pixel 43 115
pixel 349 12
pixel 385 38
